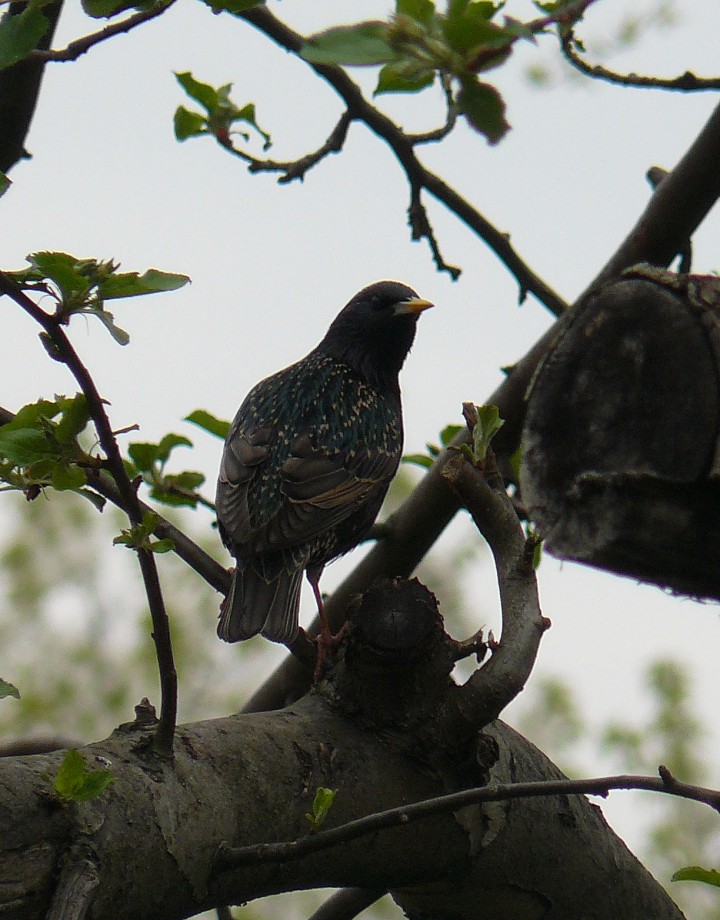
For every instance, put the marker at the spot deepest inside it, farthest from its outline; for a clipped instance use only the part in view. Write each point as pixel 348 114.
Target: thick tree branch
pixel 65 353
pixel 19 90
pixel 678 206
pixel 493 686
pixel 155 832
pixel 76 886
pixel 347 904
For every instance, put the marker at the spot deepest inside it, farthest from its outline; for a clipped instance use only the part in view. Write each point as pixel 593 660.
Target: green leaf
pixel 189 124
pixel 7 689
pixel 169 442
pixel 25 445
pixel 232 6
pixel 188 479
pixel 138 536
pixel 360 45
pixel 405 76
pixel 468 26
pixel 222 113
pixel 29 416
pixel 94 782
pixel 161 546
pixel 146 455
pixel 20 33
pixel 208 422
pixel 419 460
pixel 419 10
pixel 484 108
pixel 131 284
pixel 75 783
pixel 67 477
pixel 68 273
pixel 69 777
pixel 448 433
pixel 74 416
pixel 321 806
pixel 697 874
pixel 203 93
pixel 5 183
pixel 516 461
pixel 104 9
pixel 486 427
pixel 108 320
pixel 143 454
pixel 97 500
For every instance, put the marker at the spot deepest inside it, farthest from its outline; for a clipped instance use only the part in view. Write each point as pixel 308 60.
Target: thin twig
pixel 229 857
pixel 687 82
pixel 81 45
pixel 216 575
pixel 418 176
pixel 161 628
pixel 421 228
pixel 438 134
pixel 295 169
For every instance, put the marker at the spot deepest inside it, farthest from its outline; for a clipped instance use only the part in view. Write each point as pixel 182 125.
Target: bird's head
pixel 373 333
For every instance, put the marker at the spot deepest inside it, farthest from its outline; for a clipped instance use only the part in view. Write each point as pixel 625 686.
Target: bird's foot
pixel 326 642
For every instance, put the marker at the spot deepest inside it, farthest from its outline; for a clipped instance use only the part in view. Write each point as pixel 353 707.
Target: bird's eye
pixel 376 302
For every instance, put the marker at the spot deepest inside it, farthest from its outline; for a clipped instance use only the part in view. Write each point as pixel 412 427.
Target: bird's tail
pixel 255 605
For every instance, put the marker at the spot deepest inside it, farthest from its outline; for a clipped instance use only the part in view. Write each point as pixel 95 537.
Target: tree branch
pixel 347 903
pixel 678 206
pixel 406 814
pixel 295 169
pixel 161 627
pixel 402 146
pixel 216 575
pixel 495 684
pixel 76 886
pixel 19 90
pixel 81 45
pixel 686 82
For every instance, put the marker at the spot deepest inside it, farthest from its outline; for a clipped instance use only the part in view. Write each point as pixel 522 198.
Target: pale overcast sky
pixel 271 265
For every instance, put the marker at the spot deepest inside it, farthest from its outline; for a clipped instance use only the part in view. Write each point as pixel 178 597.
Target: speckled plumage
pixel 309 458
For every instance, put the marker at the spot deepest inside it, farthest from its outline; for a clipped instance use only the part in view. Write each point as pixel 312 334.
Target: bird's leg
pixel 325 640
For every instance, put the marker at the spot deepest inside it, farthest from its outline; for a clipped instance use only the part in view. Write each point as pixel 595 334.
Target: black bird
pixel 308 460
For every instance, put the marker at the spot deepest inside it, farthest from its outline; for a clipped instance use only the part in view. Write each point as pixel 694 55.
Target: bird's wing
pixel 244 453
pixel 323 490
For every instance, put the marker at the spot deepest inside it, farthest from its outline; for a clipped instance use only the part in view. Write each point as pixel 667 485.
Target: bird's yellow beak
pixel 414 305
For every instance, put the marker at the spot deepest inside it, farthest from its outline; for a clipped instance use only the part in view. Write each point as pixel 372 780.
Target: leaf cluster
pixel 139 536
pixel 220 115
pixel 74 782
pixel 81 286
pixel 418 43
pixel 147 461
pixel 39 448
pixel 433 450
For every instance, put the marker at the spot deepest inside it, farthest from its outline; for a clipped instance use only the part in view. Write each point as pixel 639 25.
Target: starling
pixel 308 460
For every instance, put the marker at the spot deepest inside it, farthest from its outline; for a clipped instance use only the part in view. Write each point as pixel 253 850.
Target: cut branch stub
pixel 396 645
pixel 621 461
